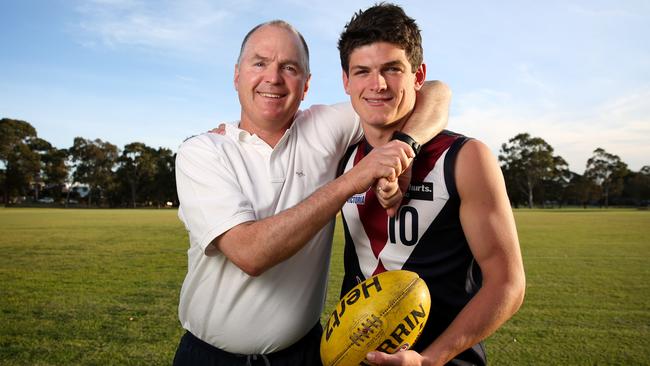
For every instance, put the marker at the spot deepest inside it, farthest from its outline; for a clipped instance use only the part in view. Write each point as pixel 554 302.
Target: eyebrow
pixel 393 63
pixel 258 57
pixel 384 65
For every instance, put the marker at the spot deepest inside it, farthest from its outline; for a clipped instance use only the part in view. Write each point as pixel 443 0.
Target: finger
pixel 404 180
pixel 386 188
pixel 380 358
pixel 391 211
pixel 403 146
pixel 387 172
pixel 392 204
pixel 390 195
pixel 221 130
pixel 395 155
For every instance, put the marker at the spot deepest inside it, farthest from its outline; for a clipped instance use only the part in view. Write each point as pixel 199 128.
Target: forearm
pixel 431 112
pixel 257 246
pixel 485 313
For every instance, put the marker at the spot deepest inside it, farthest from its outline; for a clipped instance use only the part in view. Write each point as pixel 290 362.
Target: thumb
pixel 382 359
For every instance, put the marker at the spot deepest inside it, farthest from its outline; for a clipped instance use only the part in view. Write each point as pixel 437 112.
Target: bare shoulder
pixel 475 155
pixel 477 169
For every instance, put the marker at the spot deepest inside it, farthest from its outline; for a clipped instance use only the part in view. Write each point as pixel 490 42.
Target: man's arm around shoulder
pixel 258 245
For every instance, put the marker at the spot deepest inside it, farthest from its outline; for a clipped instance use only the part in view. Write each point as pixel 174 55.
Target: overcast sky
pixel 575 72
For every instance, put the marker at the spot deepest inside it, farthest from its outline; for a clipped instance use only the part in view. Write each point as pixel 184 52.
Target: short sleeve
pixel 336 126
pixel 211 200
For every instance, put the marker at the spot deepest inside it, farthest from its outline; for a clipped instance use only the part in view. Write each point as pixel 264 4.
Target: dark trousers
pixel 194 352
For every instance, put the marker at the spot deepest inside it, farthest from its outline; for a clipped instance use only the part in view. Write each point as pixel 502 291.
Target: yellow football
pixel 386 312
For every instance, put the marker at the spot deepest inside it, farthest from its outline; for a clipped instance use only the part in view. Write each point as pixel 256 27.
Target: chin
pixel 378 121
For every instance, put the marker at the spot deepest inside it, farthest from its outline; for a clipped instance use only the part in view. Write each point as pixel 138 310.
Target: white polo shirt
pixel 223 181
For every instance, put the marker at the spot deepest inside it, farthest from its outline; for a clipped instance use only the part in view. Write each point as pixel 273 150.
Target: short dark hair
pixel 383 22
pixel 280 24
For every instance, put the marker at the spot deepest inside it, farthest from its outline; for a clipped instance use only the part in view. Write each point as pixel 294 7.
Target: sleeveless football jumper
pixel 425 237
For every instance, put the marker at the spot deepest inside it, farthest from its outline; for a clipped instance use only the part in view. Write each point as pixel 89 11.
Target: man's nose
pixel 273 74
pixel 378 82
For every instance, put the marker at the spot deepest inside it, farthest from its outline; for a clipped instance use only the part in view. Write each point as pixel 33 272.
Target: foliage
pixel 637 186
pixel 21 163
pixel 528 163
pixel 147 174
pixel 140 176
pixel 94 162
pixel 164 187
pixel 12 133
pixel 137 168
pixel 579 191
pixel 606 171
pixel 53 172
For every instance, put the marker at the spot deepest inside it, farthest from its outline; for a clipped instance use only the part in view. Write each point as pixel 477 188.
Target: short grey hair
pixel 280 24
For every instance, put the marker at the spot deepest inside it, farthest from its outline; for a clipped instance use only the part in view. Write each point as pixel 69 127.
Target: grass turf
pixel 93 287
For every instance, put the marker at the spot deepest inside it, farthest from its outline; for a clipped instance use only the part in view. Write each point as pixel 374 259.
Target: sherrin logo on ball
pixel 386 312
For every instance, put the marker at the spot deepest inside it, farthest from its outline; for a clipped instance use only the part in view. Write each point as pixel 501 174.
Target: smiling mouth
pixel 378 101
pixel 270 95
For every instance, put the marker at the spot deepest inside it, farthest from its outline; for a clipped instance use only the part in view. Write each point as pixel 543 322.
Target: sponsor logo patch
pixel 420 191
pixel 357 199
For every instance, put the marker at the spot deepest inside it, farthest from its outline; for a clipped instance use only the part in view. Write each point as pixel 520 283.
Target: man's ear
pixel 306 88
pixel 236 78
pixel 346 81
pixel 420 76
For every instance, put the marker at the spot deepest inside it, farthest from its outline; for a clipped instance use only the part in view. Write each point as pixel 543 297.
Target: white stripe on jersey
pixel 364 252
pixel 394 255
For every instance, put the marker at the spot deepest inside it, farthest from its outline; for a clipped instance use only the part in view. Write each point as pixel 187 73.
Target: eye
pixel 393 69
pixel 290 68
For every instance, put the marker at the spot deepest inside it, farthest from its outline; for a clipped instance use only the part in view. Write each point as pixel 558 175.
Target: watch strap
pixel 397 135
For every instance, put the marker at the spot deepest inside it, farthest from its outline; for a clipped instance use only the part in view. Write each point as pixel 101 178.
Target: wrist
pixel 415 146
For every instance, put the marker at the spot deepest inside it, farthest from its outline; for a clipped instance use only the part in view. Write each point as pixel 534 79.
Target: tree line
pixel 98 173
pixel 536 177
pixel 90 172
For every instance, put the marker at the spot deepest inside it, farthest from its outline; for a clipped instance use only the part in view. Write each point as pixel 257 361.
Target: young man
pixel 456 229
pixel 258 208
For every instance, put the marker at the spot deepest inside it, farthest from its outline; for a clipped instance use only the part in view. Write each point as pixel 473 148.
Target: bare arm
pixel 257 246
pixel 431 112
pixel 489 226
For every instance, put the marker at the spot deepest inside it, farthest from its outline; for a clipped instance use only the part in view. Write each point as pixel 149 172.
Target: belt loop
pixel 254 357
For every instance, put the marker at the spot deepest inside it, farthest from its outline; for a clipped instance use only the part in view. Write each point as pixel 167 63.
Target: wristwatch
pixel 408 140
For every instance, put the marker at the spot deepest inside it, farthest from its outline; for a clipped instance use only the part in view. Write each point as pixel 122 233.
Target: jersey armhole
pixel 344 160
pixel 450 164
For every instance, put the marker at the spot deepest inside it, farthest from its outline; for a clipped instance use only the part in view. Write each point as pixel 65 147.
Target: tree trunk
pixel 67 197
pixel 133 193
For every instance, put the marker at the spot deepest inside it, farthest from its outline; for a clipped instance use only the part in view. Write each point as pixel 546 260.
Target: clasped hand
pixel 392 173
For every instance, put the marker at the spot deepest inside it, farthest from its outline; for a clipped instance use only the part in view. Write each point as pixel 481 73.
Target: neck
pixel 380 135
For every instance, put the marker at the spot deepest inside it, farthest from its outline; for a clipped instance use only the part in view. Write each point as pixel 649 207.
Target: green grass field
pixel 100 287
